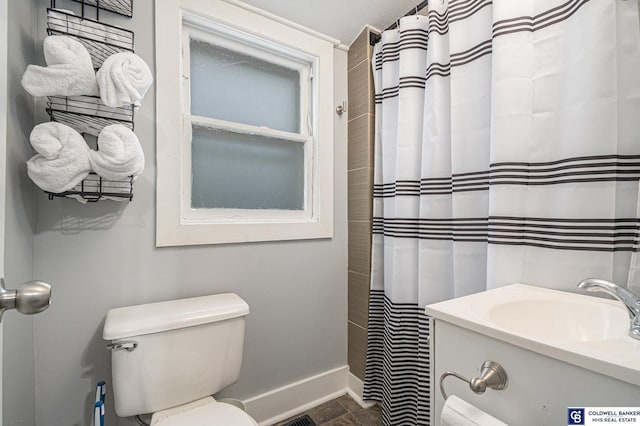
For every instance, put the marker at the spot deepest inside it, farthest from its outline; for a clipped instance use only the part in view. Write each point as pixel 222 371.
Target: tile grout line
pixel 359 116
pixel 360 168
pixel 359 273
pixel 357 325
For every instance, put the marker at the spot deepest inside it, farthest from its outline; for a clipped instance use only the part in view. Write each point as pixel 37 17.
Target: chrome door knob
pixel 31 298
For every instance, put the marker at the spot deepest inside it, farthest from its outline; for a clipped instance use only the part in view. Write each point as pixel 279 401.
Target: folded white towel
pixel 457 412
pixel 123 78
pixel 119 153
pixel 69 71
pixel 62 160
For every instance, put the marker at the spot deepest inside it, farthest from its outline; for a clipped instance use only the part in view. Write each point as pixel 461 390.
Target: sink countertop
pixel 607 350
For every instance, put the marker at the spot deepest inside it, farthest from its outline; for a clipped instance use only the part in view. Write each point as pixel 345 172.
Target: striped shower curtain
pixel 507 150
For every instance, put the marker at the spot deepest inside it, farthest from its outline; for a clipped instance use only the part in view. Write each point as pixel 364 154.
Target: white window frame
pixel 239 29
pixel 213 33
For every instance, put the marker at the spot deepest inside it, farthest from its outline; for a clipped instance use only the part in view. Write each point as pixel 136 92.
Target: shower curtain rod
pixel 374 38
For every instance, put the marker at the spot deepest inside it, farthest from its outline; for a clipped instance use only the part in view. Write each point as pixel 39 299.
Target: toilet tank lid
pixel 157 317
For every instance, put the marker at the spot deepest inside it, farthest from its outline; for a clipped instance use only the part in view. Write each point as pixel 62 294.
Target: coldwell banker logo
pixel 575 416
pixel 590 416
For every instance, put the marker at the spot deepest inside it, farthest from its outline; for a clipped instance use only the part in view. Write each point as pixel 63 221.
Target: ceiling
pixel 340 19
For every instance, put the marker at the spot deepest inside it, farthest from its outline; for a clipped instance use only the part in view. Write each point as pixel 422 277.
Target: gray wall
pixel 103 255
pixel 18 348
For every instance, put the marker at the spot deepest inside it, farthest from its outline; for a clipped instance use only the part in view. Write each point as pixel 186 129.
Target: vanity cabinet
pixel 540 388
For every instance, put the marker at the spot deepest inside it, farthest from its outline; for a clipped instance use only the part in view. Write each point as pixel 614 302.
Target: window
pixel 250 156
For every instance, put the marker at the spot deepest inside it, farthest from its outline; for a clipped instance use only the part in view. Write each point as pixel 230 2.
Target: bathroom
pixel 306 334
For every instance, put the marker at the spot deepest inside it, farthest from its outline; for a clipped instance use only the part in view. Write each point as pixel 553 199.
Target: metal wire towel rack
pixel 87 114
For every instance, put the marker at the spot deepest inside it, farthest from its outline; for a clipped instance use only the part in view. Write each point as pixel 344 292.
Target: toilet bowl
pixel 168 358
pixel 204 411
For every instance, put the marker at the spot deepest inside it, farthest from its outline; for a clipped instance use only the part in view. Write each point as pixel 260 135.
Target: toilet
pixel 168 358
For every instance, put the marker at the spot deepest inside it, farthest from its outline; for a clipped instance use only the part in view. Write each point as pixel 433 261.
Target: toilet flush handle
pixel 127 345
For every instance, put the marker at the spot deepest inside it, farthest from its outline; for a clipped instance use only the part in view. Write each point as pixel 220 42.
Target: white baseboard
pixel 355 389
pixel 280 404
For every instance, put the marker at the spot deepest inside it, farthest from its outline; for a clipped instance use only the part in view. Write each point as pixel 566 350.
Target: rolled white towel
pixel 69 71
pixel 62 159
pixel 123 78
pixel 119 153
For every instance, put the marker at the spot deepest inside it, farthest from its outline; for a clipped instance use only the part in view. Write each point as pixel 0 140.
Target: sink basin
pixel 583 330
pixel 585 321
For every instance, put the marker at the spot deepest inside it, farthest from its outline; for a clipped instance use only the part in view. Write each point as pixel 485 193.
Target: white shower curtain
pixel 507 150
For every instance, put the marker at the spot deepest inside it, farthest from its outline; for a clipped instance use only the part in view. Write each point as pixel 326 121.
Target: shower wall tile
pixel 360 247
pixel 361 133
pixel 358 298
pixel 360 173
pixel 359 195
pixel 357 350
pixel 360 50
pixel 360 99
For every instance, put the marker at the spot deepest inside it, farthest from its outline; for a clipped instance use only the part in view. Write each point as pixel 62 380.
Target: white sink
pixel 587 331
pixel 584 321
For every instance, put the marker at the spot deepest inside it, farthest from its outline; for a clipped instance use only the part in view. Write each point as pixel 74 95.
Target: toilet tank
pixel 184 350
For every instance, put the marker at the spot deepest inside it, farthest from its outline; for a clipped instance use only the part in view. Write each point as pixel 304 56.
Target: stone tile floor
pixel 342 411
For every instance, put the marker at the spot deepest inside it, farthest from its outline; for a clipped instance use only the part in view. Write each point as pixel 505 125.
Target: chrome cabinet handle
pixel 30 298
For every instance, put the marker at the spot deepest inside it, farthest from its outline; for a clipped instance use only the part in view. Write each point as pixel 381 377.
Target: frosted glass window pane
pixel 232 170
pixel 231 86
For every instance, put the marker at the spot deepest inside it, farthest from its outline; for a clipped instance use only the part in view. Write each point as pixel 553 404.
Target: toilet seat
pixel 203 412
